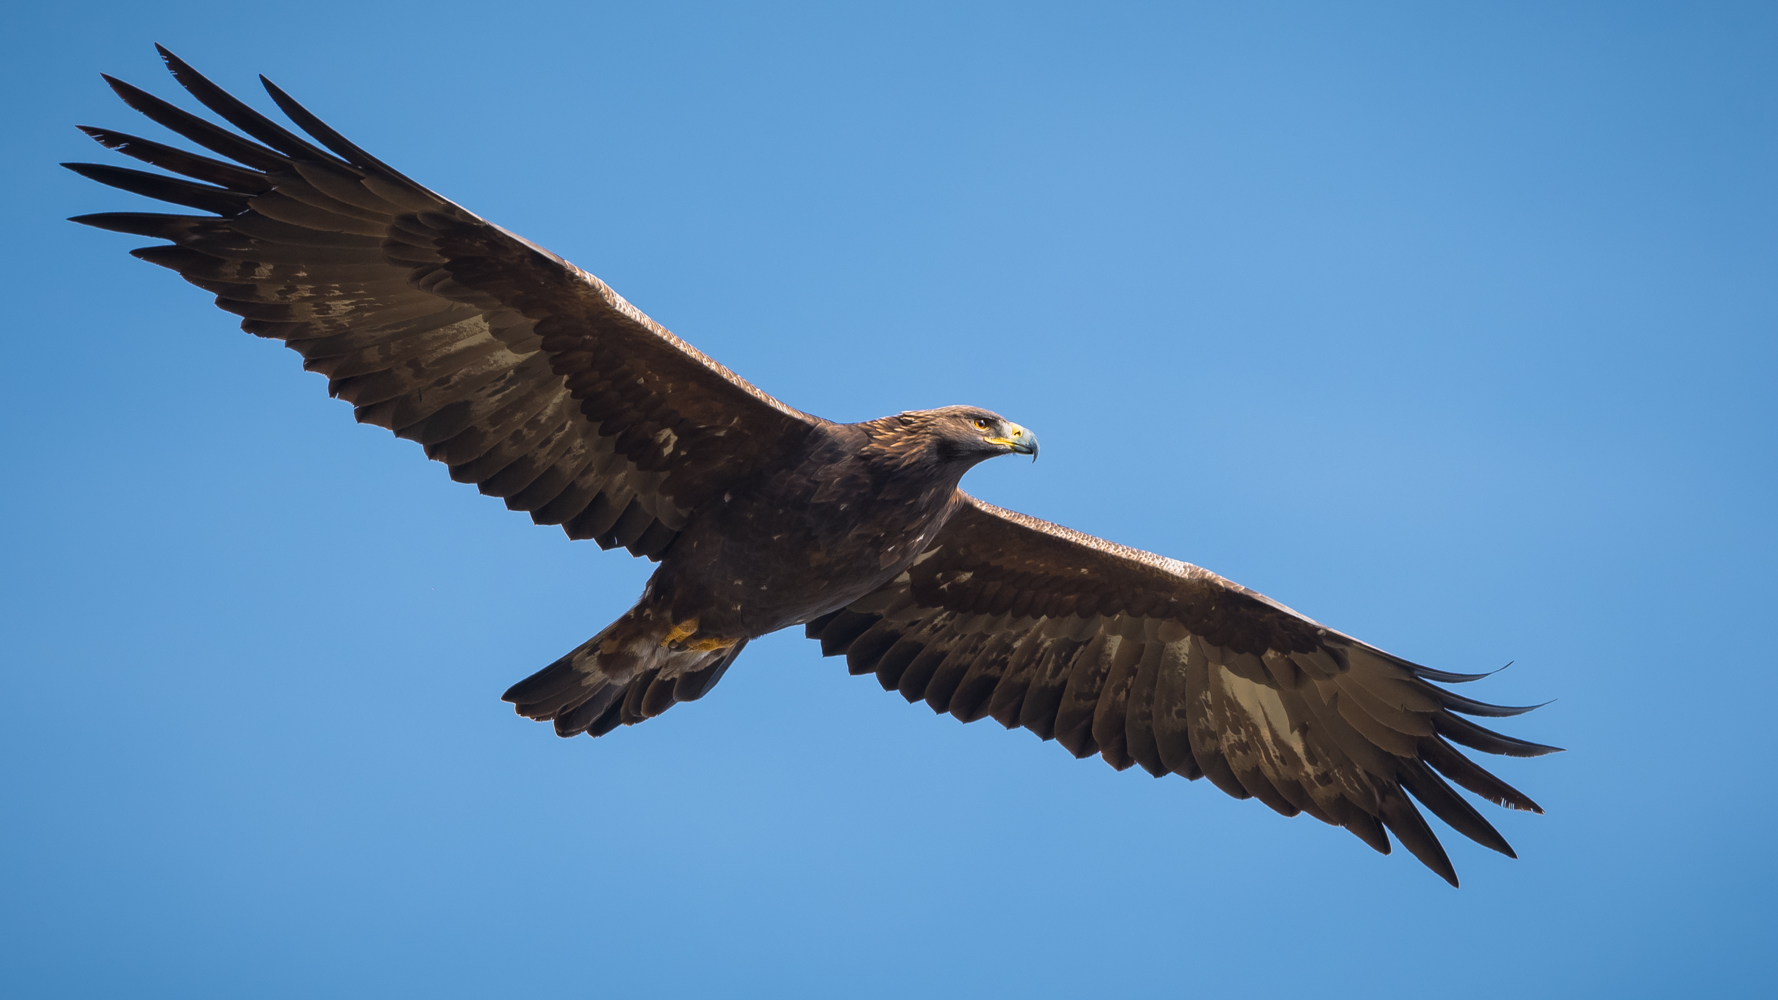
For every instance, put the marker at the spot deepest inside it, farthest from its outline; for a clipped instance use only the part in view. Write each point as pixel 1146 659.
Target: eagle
pixel 537 383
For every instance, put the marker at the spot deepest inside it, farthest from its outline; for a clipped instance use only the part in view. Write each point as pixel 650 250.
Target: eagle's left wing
pixel 529 377
pixel 1148 660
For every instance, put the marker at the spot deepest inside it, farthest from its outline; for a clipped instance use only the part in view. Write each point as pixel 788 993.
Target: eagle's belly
pixel 748 567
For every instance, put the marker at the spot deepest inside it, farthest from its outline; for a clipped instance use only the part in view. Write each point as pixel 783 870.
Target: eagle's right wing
pixel 1148 660
pixel 526 375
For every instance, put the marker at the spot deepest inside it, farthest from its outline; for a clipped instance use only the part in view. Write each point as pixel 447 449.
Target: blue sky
pixel 1453 328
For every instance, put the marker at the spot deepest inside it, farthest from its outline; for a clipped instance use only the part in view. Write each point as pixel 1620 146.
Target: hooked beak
pixel 1018 440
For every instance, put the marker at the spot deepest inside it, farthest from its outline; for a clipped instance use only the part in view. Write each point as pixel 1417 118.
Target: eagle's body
pixel 867 498
pixel 537 383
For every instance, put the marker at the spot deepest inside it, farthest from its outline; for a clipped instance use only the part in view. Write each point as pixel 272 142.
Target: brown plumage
pixel 533 380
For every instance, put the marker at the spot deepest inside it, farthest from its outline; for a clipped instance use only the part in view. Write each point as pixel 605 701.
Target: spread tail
pixel 635 669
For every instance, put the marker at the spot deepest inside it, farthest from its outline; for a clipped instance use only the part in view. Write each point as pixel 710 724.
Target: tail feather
pixel 697 683
pixel 581 717
pixel 634 692
pixel 623 675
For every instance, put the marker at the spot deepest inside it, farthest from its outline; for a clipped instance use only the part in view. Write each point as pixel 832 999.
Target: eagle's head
pixel 970 434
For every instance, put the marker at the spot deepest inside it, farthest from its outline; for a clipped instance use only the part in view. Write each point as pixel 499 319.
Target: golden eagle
pixel 533 380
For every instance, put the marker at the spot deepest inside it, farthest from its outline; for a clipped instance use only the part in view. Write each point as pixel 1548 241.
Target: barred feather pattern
pixel 528 377
pixel 1149 661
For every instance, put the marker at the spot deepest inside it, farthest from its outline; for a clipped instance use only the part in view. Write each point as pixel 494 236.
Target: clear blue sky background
pixel 1450 326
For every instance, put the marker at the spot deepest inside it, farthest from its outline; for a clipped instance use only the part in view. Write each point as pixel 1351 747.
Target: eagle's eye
pixel 981 423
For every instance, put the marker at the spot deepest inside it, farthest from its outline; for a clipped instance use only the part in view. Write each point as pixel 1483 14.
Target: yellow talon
pixel 683 630
pixel 706 645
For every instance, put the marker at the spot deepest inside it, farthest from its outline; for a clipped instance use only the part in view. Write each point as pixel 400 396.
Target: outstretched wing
pixel 526 375
pixel 1148 660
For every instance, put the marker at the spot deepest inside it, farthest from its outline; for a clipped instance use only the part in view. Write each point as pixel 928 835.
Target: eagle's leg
pixel 685 636
pixel 635 669
pixel 684 630
pixel 711 644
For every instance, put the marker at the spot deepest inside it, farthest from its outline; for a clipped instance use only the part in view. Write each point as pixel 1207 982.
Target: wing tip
pixel 134 223
pixel 1469 706
pixel 127 92
pixel 173 62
